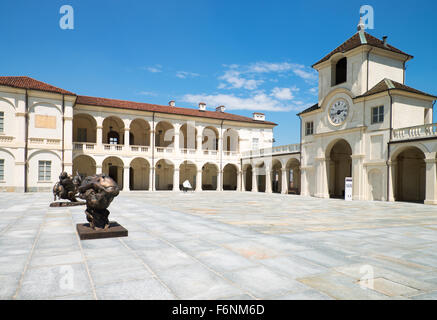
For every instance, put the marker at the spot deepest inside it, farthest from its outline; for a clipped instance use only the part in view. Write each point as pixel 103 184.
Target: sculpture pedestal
pixel 67 204
pixel 87 233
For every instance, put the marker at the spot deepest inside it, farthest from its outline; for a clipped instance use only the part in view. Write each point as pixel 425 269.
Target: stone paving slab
pixel 220 245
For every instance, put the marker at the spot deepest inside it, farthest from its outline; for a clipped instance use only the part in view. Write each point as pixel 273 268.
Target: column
pixel 126 138
pixel 392 165
pixel 99 133
pixel 357 172
pixel 199 139
pixel 431 180
pixel 303 182
pixel 176 141
pixel 321 182
pixel 284 182
pixel 268 180
pixel 126 179
pixel 68 144
pixel 219 180
pixel 176 179
pixel 199 180
pixel 151 179
pixel 239 178
pixel 243 180
pixel 254 180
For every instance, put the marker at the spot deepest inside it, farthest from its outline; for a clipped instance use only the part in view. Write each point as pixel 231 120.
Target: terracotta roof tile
pixel 357 40
pixel 312 108
pixel 387 84
pixel 113 103
pixel 30 83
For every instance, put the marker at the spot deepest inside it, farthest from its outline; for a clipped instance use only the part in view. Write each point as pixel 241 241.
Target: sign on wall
pixel 348 189
pixel 47 122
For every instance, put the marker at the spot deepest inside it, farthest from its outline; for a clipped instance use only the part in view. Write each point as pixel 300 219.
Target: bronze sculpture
pixel 67 188
pixel 98 190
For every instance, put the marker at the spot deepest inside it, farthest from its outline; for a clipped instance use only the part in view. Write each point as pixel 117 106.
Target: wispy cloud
pixel 148 93
pixel 257 102
pixel 154 69
pixel 283 93
pixel 235 80
pixel 186 74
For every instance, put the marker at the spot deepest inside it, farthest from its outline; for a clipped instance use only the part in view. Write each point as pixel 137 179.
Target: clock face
pixel 338 112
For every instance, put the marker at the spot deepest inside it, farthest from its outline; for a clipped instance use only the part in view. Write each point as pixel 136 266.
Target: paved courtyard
pixel 220 245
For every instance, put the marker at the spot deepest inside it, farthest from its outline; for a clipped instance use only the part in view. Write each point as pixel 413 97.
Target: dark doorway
pixel 113 173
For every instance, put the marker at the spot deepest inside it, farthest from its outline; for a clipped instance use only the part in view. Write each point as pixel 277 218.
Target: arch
pixel 84 128
pixel 339 166
pixel 8 161
pixel 114 167
pixel 260 171
pixel 397 150
pixel 209 176
pixel 8 103
pixel 276 176
pixel 230 177
pixel 44 104
pixel 37 152
pixel 231 140
pixel 210 137
pixel 293 174
pixel 84 164
pixel 247 177
pixel 375 179
pixel 139 132
pixel 113 130
pixel 164 172
pixel 187 136
pixel 410 175
pixel 164 134
pixel 187 171
pixel 139 171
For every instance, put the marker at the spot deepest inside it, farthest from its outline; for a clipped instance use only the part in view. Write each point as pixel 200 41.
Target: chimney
pixel 202 106
pixel 220 109
pixel 171 103
pixel 258 116
pixel 384 40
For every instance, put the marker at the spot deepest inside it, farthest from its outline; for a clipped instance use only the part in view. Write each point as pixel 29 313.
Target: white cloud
pixel 313 90
pixel 185 74
pixel 236 81
pixel 282 93
pixel 147 93
pixel 259 102
pixel 154 69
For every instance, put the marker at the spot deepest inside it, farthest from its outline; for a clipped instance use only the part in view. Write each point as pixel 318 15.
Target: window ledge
pixel 43 181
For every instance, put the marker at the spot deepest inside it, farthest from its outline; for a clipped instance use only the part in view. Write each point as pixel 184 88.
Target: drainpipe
pixel 26 138
pixel 63 124
pixel 152 144
pixel 388 145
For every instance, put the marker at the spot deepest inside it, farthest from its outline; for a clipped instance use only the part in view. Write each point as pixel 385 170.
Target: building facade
pixel 45 130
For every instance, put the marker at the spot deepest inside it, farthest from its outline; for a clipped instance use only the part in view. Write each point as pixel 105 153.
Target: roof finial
pixel 361 26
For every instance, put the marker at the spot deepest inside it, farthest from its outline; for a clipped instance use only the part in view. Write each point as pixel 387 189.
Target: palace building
pixel 367 125
pixel 45 130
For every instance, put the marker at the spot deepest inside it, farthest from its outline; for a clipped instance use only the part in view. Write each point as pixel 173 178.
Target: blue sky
pixel 248 55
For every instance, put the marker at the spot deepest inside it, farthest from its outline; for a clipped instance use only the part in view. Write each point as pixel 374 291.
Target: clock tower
pixel 362 99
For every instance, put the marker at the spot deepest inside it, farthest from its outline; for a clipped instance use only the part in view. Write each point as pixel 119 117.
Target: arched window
pixel 113 137
pixel 340 69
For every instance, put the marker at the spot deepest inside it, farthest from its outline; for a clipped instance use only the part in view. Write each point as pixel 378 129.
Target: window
pixel 2 169
pixel 309 128
pixel 378 114
pixel 2 121
pixel 339 72
pixel 255 143
pixel 81 135
pixel 113 137
pixel 44 170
